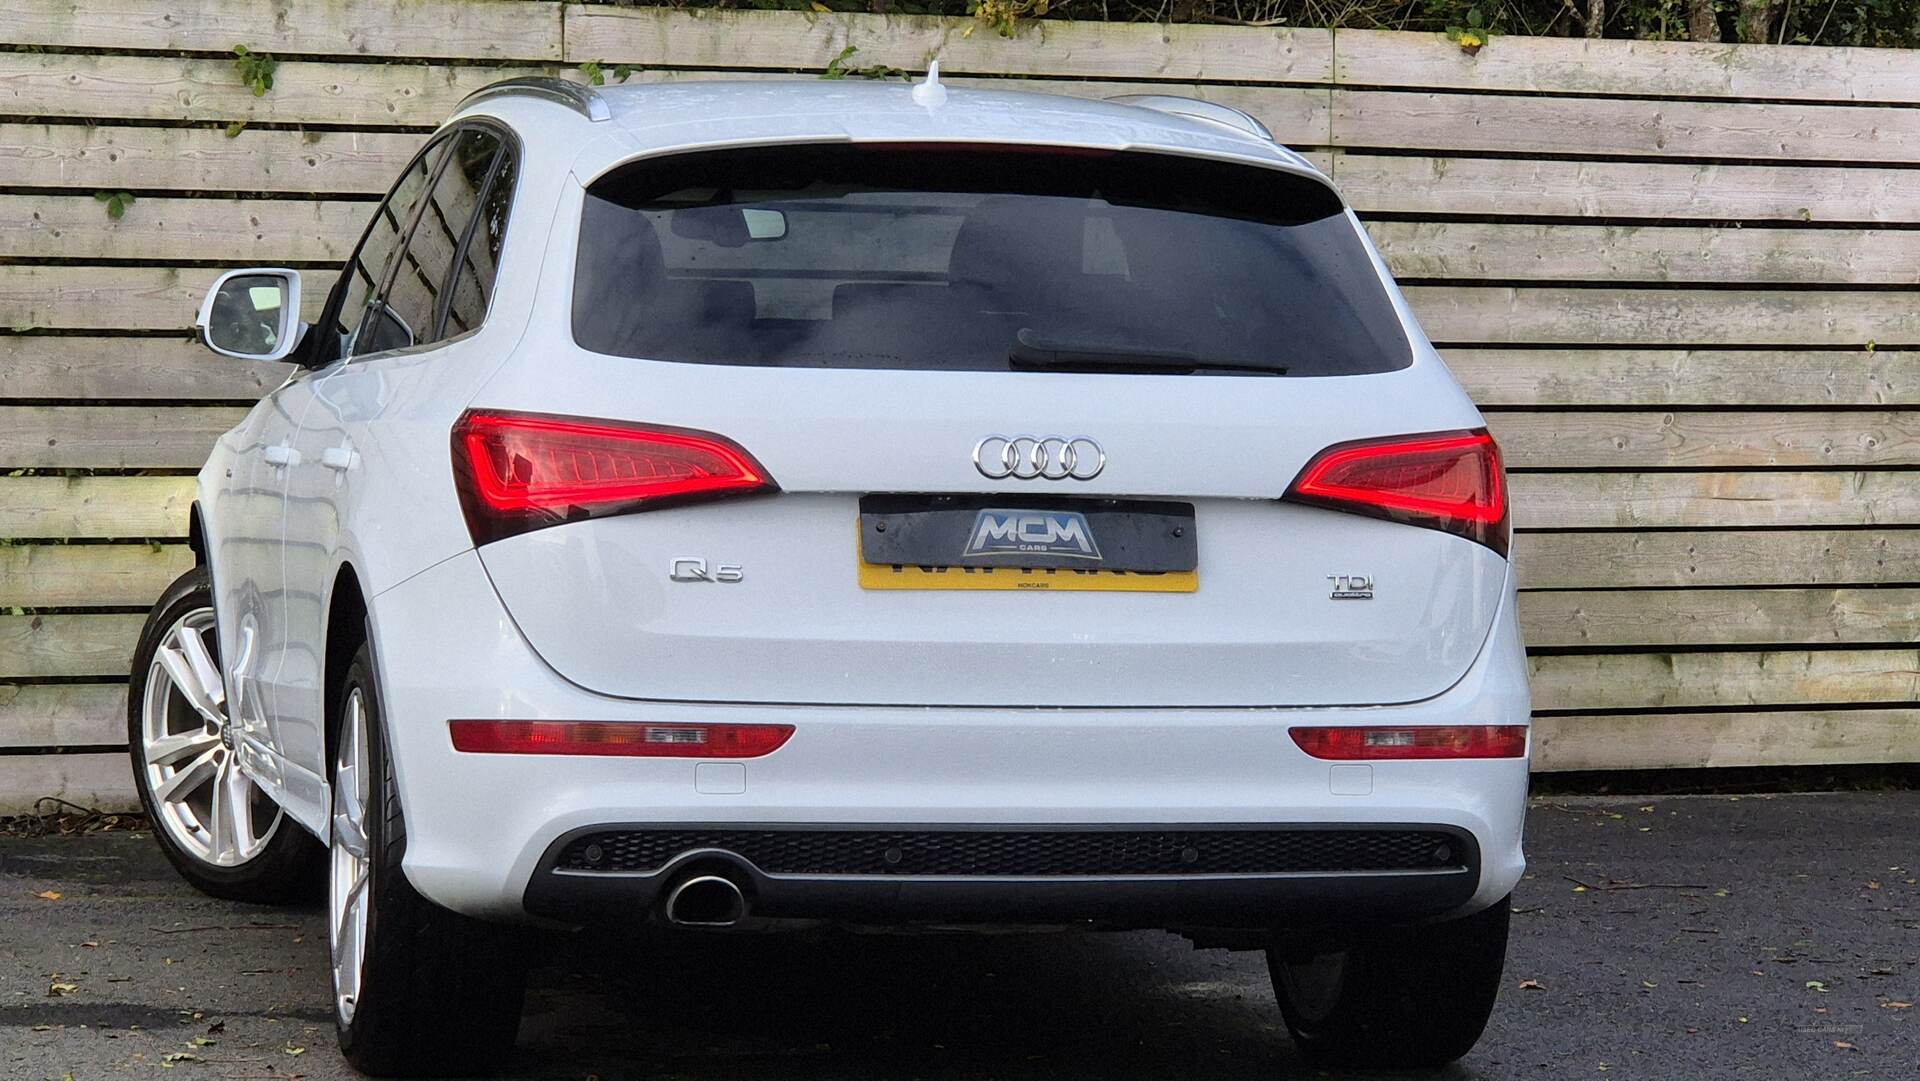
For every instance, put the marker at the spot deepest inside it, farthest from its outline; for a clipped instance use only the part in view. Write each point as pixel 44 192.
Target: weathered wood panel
pixel 1553 187
pixel 1699 740
pixel 1600 682
pixel 142 507
pixel 1638 619
pixel 1634 253
pixel 1610 127
pixel 1713 500
pixel 111 437
pixel 1663 317
pixel 234 231
pixel 777 41
pixel 1705 557
pixel 94 157
pixel 449 29
pixel 1717 440
pixel 67 645
pixel 1663 69
pixel 76 366
pixel 100 781
pixel 63 715
pixel 82 575
pixel 1676 378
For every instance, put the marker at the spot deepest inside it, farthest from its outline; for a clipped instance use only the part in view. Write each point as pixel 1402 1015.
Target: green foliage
pixel 234 129
pixel 256 69
pixel 838 68
pixel 596 73
pixel 117 203
pixel 1474 34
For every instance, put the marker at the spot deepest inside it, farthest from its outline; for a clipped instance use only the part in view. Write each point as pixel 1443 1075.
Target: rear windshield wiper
pixel 1031 352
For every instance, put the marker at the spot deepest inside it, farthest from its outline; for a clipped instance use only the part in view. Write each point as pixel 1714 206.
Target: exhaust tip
pixel 706 901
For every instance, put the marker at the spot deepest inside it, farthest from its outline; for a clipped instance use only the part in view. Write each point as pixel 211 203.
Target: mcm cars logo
pixel 1055 533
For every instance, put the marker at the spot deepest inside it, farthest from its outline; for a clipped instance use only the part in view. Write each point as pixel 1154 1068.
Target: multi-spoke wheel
pixel 416 989
pixel 225 835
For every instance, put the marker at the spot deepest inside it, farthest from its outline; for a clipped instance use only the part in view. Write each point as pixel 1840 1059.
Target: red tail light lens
pixel 1450 741
pixel 625 739
pixel 1450 481
pixel 521 471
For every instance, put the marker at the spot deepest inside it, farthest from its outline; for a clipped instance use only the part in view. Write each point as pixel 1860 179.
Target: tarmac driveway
pixel 1702 937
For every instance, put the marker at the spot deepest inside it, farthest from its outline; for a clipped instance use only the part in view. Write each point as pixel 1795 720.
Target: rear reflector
pixel 628 739
pixel 1450 481
pixel 521 471
pixel 1451 741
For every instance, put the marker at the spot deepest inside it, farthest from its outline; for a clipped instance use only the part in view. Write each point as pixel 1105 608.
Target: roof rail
pixel 581 99
pixel 1194 108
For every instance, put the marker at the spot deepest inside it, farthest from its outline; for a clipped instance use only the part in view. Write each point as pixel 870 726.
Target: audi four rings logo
pixel 1025 457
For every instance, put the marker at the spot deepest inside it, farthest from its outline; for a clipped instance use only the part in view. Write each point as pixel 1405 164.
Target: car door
pixel 279 656
pixel 420 304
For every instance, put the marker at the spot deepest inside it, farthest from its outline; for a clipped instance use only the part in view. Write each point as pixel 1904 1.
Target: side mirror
pixel 253 314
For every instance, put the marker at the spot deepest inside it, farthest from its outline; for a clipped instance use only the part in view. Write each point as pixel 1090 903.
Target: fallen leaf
pixel 1843 1045
pixel 293 1050
pixel 1648 984
pixel 1816 985
pixel 1873 885
pixel 1531 985
pixel 48 895
pixel 1579 889
pixel 55 990
pixel 216 1028
pixel 1896 1005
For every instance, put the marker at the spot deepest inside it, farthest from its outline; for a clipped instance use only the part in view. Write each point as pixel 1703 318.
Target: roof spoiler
pixel 581 99
pixel 1195 109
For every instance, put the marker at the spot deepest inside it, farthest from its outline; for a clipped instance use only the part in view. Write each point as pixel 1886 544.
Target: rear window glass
pixel 981 258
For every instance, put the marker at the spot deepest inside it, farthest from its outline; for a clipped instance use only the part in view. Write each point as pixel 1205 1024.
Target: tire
pixel 417 989
pixel 219 830
pixel 1405 998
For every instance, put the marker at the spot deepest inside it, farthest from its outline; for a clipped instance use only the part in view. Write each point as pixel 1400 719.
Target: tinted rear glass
pixel 960 259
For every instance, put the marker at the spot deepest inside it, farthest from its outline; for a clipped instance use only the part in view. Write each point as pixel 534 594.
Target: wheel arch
pixel 197 534
pixel 346 631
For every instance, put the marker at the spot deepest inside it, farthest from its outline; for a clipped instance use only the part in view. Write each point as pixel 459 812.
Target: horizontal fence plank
pixel 63 714
pixel 121 298
pixel 1634 253
pixel 232 231
pixel 1701 740
pixel 1674 378
pixel 1667 69
pixel 1406 184
pixel 456 29
pixel 74 366
pixel 1713 500
pixel 1608 127
pixel 1597 683
pixel 1799 557
pixel 67 644
pixel 92 507
pixel 93 86
pixel 113 157
pixel 1529 315
pixel 111 436
pixel 1060 48
pixel 1794 440
pixel 1719 617
pixel 103 782
pixel 79 575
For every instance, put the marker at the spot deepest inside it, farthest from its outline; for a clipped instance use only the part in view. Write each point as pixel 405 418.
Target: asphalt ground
pixel 1746 938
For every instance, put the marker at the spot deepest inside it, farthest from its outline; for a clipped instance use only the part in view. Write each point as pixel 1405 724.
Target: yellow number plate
pixel 886 576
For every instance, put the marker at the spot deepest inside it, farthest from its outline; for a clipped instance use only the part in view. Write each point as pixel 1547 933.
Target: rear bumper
pixel 484 830
pixel 826 872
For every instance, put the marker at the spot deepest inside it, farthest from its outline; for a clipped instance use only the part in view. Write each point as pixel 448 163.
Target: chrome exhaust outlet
pixel 706 901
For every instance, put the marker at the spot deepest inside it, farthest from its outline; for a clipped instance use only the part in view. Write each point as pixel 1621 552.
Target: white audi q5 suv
pixel 739 505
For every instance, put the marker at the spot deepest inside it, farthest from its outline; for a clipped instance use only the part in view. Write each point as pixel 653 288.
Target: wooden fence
pixel 1677 277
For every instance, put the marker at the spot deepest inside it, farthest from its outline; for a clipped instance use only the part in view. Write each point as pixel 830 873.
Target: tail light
pixel 623 739
pixel 522 471
pixel 1423 741
pixel 1450 481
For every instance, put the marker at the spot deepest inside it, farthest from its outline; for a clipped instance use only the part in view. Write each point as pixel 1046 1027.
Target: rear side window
pixel 422 288
pixel 978 258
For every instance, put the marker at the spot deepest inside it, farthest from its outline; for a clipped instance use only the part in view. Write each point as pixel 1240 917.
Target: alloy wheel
pixel 350 881
pixel 201 797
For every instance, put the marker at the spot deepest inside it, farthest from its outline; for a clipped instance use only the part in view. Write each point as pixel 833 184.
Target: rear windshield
pixel 980 259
